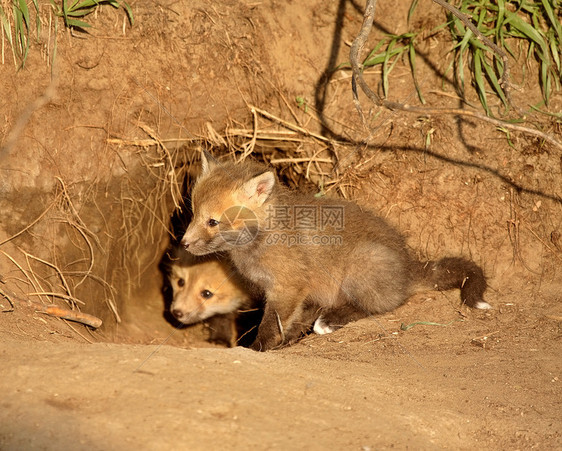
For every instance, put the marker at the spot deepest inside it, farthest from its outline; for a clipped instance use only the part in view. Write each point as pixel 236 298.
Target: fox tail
pixel 456 272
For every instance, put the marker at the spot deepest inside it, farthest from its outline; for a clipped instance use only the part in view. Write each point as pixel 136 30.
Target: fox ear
pixel 258 189
pixel 208 162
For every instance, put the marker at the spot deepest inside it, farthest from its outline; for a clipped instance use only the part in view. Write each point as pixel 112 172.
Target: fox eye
pixel 206 294
pixel 181 282
pixel 213 222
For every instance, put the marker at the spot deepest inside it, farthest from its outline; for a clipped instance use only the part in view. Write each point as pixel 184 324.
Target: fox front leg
pixel 278 319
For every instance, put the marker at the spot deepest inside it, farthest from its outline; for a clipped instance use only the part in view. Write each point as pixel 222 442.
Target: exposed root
pixel 54 310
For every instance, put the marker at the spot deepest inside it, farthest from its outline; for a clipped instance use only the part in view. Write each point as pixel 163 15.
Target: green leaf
pixel 412 9
pixel 8 32
pixel 129 13
pixel 494 81
pixel 500 16
pixel 381 57
pixel 84 4
pixel 90 4
pixel 55 47
pixel 24 12
pixel 545 82
pixel 464 42
pixel 412 57
pixel 6 27
pixel 80 13
pixel 507 135
pixel 385 68
pixel 555 22
pixel 556 115
pixel 449 67
pixel 526 29
pixel 18 24
pixel 479 80
pixel 37 18
pixel 366 61
pixel 555 50
pixel 460 69
pixel 76 23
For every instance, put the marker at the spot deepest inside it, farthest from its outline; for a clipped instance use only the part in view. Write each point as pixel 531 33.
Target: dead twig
pixel 74 213
pixel 55 310
pixel 249 146
pixel 271 135
pixel 32 223
pixel 66 297
pixel 147 142
pixel 301 160
pixel 71 315
pixel 289 125
pixel 174 184
pixel 27 274
pixel 57 270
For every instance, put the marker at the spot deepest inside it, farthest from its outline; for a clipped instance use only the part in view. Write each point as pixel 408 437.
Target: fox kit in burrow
pixel 208 289
pixel 318 260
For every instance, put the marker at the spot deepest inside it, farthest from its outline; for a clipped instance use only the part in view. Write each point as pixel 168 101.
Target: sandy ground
pixel 369 385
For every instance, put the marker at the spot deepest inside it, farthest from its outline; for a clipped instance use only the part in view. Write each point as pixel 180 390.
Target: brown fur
pixel 208 289
pixel 365 269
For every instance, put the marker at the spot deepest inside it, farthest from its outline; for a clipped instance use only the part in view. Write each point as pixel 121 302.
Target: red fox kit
pixel 206 289
pixel 317 260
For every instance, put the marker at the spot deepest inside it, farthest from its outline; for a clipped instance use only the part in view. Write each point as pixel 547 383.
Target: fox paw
pixel 321 328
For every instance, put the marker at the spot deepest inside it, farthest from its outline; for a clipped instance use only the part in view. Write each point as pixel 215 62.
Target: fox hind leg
pixel 335 318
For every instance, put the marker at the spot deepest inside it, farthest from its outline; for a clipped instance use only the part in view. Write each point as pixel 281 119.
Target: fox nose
pixel 178 314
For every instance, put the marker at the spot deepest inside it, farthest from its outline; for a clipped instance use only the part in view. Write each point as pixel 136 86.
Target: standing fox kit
pixel 207 290
pixel 318 260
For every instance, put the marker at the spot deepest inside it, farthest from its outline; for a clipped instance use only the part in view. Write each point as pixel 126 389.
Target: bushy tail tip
pixel 456 272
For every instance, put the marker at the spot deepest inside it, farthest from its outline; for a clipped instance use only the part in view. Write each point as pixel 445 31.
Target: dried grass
pixel 47 278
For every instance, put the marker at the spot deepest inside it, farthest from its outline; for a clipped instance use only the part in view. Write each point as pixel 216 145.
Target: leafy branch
pixel 72 12
pixel 358 80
